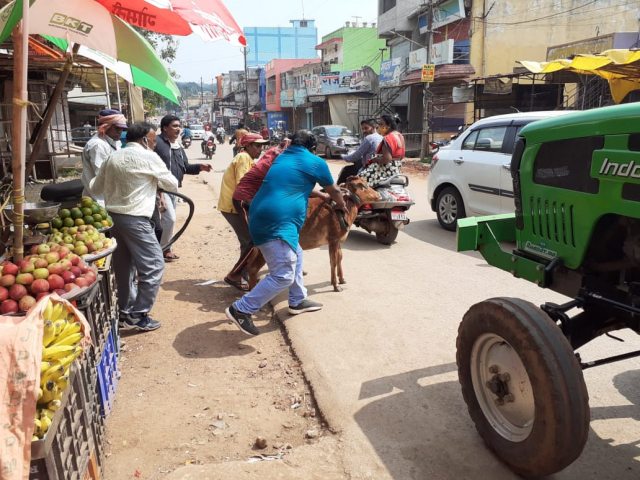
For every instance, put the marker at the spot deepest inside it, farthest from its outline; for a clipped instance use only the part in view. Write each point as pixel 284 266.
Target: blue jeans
pixel 285 271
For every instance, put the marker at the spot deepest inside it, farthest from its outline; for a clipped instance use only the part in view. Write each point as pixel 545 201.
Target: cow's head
pixel 362 190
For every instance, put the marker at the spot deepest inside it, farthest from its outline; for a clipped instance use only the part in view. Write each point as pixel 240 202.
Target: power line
pixel 590 2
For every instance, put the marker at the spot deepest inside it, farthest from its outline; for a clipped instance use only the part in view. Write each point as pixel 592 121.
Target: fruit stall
pixel 63 291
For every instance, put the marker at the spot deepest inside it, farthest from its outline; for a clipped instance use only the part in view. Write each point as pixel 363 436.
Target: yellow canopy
pixel 621 68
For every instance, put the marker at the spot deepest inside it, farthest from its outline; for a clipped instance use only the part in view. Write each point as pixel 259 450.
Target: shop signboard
pixel 338 82
pixel 390 72
pixel 428 73
pixel 441 54
pixel 443 14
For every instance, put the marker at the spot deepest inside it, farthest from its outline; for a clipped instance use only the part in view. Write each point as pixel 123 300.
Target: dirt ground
pixel 198 391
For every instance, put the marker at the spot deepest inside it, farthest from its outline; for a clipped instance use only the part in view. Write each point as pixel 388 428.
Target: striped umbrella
pixel 113 41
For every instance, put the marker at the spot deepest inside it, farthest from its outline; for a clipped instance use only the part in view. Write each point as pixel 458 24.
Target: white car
pixel 472 175
pixel 197 132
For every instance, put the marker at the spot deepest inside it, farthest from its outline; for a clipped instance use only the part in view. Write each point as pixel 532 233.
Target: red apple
pixel 77 271
pixel 40 286
pixel 10 268
pixel 52 257
pixel 56 282
pixel 55 268
pixel 7 280
pixel 17 291
pixel 54 247
pixel 4 294
pixel 41 294
pixel 40 263
pixel 68 276
pixel 63 252
pixel 70 286
pixel 81 282
pixel 26 303
pixel 34 249
pixel 60 291
pixel 9 306
pixel 26 266
pixel 24 278
pixel 75 259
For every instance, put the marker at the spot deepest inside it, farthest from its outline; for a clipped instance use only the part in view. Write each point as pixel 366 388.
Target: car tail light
pixel 434 160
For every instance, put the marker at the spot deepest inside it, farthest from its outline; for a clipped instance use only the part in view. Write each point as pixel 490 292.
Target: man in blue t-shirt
pixel 277 214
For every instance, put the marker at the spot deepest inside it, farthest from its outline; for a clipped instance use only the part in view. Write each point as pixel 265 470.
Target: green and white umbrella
pixel 104 38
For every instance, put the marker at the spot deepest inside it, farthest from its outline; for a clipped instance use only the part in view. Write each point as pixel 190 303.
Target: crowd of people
pixel 263 197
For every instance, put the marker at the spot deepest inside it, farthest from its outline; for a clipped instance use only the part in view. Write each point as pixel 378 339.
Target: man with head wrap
pixel 111 123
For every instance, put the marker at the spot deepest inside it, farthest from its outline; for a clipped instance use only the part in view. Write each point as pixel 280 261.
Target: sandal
pixel 243 287
pixel 170 256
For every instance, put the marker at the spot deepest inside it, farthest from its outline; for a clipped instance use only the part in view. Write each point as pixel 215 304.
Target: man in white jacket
pixel 128 180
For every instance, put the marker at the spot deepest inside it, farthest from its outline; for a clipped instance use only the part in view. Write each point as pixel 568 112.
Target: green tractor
pixel 576 230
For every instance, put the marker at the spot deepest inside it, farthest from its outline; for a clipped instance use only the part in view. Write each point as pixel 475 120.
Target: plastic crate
pixel 94 309
pixel 108 375
pixel 64 452
pixel 110 291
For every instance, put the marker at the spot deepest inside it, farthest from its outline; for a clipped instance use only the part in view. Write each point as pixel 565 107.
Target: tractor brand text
pixel 62 20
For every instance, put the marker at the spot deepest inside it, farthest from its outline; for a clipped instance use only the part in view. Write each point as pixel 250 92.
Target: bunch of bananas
pixel 61 341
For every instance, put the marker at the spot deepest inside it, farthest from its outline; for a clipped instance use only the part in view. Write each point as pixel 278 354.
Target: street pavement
pixel 380 358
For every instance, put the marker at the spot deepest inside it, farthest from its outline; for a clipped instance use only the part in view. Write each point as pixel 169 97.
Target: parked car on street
pixel 197 132
pixel 335 140
pixel 471 175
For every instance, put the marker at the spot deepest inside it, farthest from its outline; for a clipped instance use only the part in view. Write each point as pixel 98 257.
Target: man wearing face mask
pixel 128 180
pixel 175 158
pixel 111 124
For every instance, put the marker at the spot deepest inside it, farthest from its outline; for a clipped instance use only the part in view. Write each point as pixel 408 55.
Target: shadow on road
pixel 212 298
pixel 420 428
pixel 430 231
pixel 360 240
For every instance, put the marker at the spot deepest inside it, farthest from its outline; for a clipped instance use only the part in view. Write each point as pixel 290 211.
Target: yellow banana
pixel 62 382
pixel 46 413
pixel 40 392
pixel 70 328
pixel 59 325
pixel 54 405
pixel 55 352
pixel 55 371
pixel 45 423
pixel 48 310
pixel 37 423
pixel 68 360
pixel 35 438
pixel 71 340
pixel 44 366
pixel 48 333
pixel 49 393
pixel 57 311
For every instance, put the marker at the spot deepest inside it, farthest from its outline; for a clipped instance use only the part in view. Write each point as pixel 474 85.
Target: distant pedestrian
pixel 129 180
pixel 276 216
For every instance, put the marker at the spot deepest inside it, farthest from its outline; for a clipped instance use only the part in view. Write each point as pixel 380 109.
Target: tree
pixel 167 47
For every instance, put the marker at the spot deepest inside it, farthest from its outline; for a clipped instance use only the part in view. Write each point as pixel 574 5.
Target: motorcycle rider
pixel 220 133
pixel 186 134
pixel 208 134
pixel 359 158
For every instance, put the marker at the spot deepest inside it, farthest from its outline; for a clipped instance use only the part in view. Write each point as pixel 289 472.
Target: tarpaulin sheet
pixel 620 67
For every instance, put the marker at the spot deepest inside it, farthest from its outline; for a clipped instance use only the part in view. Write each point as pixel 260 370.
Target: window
pixel 387 5
pixel 303 24
pixel 567 164
pixel 490 139
pixel 470 141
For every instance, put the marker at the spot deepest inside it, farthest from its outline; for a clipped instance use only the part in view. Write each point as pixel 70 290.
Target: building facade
pixel 352 47
pixel 268 43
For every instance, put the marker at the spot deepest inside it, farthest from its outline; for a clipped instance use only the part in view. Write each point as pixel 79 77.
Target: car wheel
pixel 449 208
pixel 327 153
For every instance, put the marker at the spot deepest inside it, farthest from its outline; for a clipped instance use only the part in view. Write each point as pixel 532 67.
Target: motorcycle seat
pixel 394 180
pixel 57 192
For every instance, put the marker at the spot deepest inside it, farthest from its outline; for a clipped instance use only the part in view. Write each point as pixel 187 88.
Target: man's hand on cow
pixel 205 167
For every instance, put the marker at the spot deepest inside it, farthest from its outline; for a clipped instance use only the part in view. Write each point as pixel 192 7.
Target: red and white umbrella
pixel 209 19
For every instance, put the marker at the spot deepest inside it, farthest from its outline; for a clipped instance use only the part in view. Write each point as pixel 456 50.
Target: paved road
pixel 381 359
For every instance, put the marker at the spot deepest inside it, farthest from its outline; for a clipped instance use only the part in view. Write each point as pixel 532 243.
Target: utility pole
pixel 201 95
pixel 426 94
pixel 246 89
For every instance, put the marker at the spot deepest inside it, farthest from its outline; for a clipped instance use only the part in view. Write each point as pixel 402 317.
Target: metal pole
pixel 246 89
pixel 201 95
pixel 118 92
pixel 106 86
pixel 426 98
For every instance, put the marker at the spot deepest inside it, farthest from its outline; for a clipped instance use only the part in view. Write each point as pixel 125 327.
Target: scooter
pixel 220 138
pixel 209 149
pixel 387 216
pixel 186 142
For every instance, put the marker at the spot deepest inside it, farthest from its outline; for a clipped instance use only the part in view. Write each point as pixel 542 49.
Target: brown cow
pixel 324 226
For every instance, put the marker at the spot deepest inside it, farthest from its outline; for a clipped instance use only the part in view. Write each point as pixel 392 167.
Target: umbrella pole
pixel 19 127
pixel 106 86
pixel 43 126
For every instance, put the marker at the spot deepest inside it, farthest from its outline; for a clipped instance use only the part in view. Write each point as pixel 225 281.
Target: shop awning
pixel 621 68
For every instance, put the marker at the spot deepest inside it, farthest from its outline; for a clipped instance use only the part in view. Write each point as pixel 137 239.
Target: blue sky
pixel 197 59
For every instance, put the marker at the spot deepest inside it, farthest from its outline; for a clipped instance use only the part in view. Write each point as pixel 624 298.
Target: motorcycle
pixel 220 138
pixel 209 149
pixel 186 142
pixel 387 216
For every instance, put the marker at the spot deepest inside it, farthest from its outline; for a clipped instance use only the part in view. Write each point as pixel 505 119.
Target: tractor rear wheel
pixel 523 386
